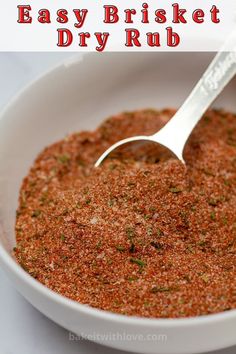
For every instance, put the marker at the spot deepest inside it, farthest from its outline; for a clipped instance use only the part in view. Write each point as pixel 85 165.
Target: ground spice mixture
pixel 140 235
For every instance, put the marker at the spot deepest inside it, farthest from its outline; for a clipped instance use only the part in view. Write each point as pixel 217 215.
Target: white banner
pixel 112 25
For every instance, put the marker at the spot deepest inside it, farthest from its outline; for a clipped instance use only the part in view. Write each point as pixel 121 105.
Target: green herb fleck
pixel 149 231
pixel 130 232
pixel 99 244
pixel 202 243
pixel 120 248
pixel 175 190
pixel 63 159
pixel 36 213
pixel 225 220
pixel 160 289
pixel 137 261
pixel 213 202
pixel 208 172
pixel 190 249
pixel 112 166
pixel 213 216
pixel 160 232
pixel 110 203
pixel 205 278
pixel 152 209
pixel 44 198
pixel 147 216
pixel 130 279
pixel 227 182
pixel 181 301
pixel 63 237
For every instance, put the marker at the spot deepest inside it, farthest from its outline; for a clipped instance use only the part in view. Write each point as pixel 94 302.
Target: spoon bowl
pixel 151 138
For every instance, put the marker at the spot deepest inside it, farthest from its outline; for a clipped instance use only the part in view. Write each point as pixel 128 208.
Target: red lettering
pixel 62 16
pixel 160 16
pixel 111 14
pixel 145 13
pixel 24 14
pixel 173 39
pixel 153 39
pixel 102 40
pixel 128 15
pixel 198 16
pixel 80 16
pixel 132 37
pixel 44 16
pixel 178 14
pixel 82 39
pixel 65 37
pixel 214 12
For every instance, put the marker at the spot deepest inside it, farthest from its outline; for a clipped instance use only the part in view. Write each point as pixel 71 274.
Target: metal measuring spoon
pixel 176 132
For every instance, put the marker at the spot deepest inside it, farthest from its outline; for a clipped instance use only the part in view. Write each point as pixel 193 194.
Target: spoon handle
pixel 218 74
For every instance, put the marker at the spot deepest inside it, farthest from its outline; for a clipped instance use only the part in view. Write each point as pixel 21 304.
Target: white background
pixel 23 330
pixel 43 37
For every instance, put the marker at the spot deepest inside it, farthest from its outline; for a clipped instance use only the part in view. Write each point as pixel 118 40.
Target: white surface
pixel 22 328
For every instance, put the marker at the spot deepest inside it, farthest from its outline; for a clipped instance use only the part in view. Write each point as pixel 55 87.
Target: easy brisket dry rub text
pixel 111 15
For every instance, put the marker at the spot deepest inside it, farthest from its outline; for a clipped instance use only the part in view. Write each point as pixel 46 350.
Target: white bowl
pixel 79 95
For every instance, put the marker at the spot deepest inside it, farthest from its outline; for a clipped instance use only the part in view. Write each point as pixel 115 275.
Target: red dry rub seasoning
pixel 141 235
